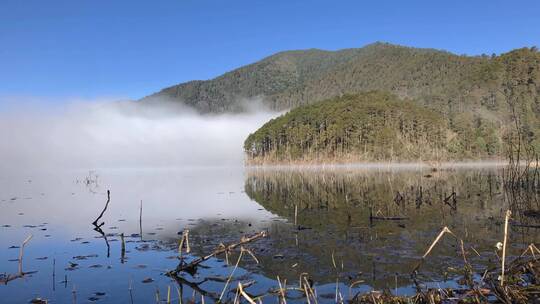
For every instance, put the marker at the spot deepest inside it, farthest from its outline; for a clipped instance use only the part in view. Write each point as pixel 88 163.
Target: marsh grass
pixel 514 282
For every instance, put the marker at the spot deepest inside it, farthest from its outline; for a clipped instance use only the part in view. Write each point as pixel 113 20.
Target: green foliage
pixel 441 80
pixel 372 125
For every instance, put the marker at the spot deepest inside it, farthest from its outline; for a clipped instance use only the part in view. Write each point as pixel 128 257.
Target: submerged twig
pixel 244 294
pixel 123 249
pixel 184 242
pixel 221 249
pixel 428 251
pixel 21 253
pixel 140 222
pixel 283 298
pixel 231 275
pixel 533 249
pixel 20 273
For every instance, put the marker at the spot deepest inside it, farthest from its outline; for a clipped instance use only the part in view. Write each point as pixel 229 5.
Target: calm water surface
pixel 333 238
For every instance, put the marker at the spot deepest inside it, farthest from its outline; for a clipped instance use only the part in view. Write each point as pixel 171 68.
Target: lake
pixel 362 226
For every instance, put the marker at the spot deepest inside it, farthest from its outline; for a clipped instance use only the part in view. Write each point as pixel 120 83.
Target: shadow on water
pixel 97 226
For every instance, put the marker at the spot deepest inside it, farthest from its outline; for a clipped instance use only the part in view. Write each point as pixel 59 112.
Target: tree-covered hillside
pixel 369 126
pixel 442 80
pixel 261 80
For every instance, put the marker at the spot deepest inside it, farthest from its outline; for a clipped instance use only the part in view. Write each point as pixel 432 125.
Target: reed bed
pixel 514 281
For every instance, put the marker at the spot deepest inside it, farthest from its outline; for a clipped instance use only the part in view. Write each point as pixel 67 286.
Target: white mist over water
pixel 106 134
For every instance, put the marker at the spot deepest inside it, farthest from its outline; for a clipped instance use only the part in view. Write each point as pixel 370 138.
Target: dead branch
pixel 506 219
pixel 95 223
pixel 220 250
pixel 10 277
pixel 428 251
pixel 244 294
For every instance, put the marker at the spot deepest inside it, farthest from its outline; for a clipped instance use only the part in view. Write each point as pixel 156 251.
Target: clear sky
pixel 128 49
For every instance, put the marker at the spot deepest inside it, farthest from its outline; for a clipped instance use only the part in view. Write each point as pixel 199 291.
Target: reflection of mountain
pixel 336 205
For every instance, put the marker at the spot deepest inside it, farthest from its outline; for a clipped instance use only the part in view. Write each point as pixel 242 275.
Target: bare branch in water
pixel 95 223
pixel 220 250
pixel 10 277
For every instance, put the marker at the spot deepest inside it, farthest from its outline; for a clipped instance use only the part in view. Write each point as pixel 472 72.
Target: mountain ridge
pixel 206 95
pixel 291 78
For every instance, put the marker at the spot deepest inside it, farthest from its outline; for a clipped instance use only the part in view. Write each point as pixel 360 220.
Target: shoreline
pixel 386 166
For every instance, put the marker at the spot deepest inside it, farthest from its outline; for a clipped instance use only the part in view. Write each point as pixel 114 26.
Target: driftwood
pixel 10 277
pixel 221 249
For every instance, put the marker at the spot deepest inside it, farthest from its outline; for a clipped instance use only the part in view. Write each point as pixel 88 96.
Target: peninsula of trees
pixel 372 126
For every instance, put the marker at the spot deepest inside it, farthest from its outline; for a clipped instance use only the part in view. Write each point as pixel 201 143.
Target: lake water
pixel 333 240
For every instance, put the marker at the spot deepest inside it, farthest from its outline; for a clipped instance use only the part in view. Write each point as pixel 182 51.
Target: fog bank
pixel 107 134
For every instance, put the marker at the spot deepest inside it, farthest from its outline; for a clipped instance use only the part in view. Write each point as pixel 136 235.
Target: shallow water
pixel 333 238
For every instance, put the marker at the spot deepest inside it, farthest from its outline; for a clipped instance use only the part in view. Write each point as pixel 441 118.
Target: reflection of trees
pixel 337 204
pixel 334 210
pixel 344 199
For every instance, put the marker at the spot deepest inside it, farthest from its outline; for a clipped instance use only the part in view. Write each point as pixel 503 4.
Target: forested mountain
pixel 443 80
pixel 266 79
pixel 472 95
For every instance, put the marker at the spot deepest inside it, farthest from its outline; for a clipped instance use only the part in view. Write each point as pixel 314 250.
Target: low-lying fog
pixel 109 134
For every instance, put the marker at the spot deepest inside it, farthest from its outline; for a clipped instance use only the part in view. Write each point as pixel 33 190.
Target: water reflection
pixel 353 214
pixel 350 225
pixel 58 209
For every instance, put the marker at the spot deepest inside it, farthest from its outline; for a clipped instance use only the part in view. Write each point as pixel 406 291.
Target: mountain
pixel 293 78
pixel 470 92
pixel 266 79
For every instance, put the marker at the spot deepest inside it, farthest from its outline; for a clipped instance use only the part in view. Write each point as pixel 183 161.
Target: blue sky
pixel 128 49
